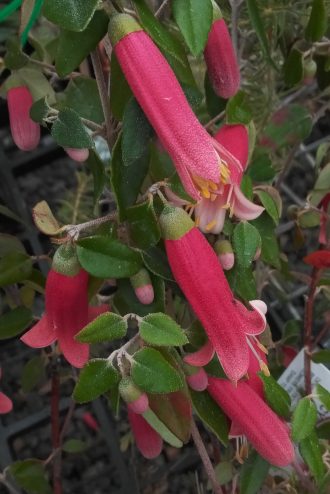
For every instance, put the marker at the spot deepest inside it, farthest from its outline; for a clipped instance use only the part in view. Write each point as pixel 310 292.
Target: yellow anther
pixel 197 220
pixel 210 225
pixel 213 197
pixel 264 368
pixel 206 193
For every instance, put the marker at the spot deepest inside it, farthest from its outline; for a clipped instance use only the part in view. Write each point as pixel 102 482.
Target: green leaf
pixel 318 21
pixel 69 132
pixel 238 109
pixel 322 185
pixel 14 267
pixel 174 410
pixel 161 428
pixel 74 446
pixel 30 476
pixel 242 282
pixel 211 415
pixel 126 181
pixel 323 395
pixel 106 257
pixel 44 219
pixel 270 252
pixel 309 219
pixel 214 103
pixel 125 300
pixel 293 67
pixel 143 226
pixel 96 166
pixel 277 398
pixel 194 18
pixel 97 377
pixel 73 15
pixel 261 169
pixel 160 330
pixel 269 204
pixel 246 240
pixel 168 44
pixel 291 332
pixel 304 419
pixel 33 373
pixel 152 373
pixel 310 450
pixel 259 27
pixel 10 244
pixel 134 144
pixel 120 91
pixel 106 327
pixel 156 261
pixel 82 96
pixel 253 474
pixel 323 431
pixel 39 110
pixel 74 47
pixel 14 58
pixel 321 357
pixel 12 323
pixel 10 214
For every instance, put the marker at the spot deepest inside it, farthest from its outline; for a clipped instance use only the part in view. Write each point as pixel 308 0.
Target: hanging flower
pixel 220 58
pixel 79 155
pixel 25 132
pixel 202 164
pixel 67 310
pixel 262 427
pixel 319 259
pixel 147 440
pixel 197 271
pixel 137 401
pixel 211 210
pixel 142 287
pixel 6 405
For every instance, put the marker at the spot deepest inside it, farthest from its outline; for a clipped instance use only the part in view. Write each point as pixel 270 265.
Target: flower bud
pixel 142 286
pixel 225 254
pixel 65 260
pixel 25 132
pixel 137 401
pixel 147 440
pixel 310 68
pixel 79 155
pixel 196 377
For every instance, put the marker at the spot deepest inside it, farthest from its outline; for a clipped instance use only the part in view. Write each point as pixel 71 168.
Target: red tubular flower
pixel 318 259
pixel 262 427
pixel 66 310
pixel 6 405
pixel 210 212
pixel 196 269
pixel 147 440
pixel 200 166
pixel 221 60
pixel 25 132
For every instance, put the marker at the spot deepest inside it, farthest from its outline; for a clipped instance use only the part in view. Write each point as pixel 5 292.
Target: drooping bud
pixel 225 253
pixel 310 68
pixel 65 260
pixel 196 377
pixel 25 132
pixel 137 401
pixel 79 155
pixel 147 440
pixel 142 286
pixel 221 60
pixel 174 222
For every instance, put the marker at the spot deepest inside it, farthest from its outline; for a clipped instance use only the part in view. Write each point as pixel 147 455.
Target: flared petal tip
pixel 6 405
pixel 198 381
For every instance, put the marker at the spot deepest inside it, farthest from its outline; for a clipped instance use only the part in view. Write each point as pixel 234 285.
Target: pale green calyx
pixel 65 260
pixel 217 14
pixel 223 247
pixel 174 223
pixel 141 278
pixel 190 370
pixel 128 390
pixel 120 25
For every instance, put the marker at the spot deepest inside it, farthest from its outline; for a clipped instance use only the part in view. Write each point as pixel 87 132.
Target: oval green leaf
pixel 161 330
pixel 73 15
pixel 97 377
pixel 69 132
pixel 106 327
pixel 304 419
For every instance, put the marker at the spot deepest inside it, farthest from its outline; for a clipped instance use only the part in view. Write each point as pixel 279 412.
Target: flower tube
pixel 262 427
pixel 6 405
pixel 147 440
pixel 201 164
pixel 197 271
pixel 25 132
pixel 67 310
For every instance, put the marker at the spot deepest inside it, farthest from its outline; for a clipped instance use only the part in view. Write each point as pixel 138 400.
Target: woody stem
pixel 76 229
pixel 55 421
pixel 205 458
pixel 104 96
pixel 308 326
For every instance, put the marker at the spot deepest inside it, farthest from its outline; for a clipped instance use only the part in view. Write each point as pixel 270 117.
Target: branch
pixel 205 458
pixel 161 8
pixel 55 422
pixel 105 101
pixel 74 230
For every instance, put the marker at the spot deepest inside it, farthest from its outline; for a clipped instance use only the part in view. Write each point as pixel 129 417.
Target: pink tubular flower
pixel 201 163
pixel 147 440
pixel 197 271
pixel 6 405
pixel 67 312
pixel 210 212
pixel 25 132
pixel 198 381
pixel 79 155
pixel 262 427
pixel 221 60
pixel 142 286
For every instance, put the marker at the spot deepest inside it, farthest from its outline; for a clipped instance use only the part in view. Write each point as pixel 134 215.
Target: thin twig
pixel 74 230
pixel 205 458
pixel 214 120
pixel 308 329
pixel 287 165
pixel 55 422
pixel 104 96
pixel 161 8
pixel 7 484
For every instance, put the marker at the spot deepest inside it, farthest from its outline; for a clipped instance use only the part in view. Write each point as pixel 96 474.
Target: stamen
pixel 264 368
pixel 213 197
pixel 260 345
pixel 197 221
pixel 210 225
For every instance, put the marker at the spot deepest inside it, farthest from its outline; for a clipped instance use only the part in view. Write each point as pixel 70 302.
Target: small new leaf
pixel 304 419
pixel 69 132
pixel 44 219
pixel 323 395
pixel 160 330
pixel 246 241
pixel 277 398
pixel 106 327
pixel 97 377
